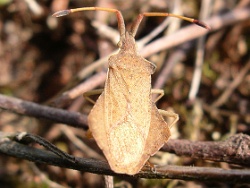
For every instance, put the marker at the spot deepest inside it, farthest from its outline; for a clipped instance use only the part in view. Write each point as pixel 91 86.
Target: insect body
pixel 126 110
pixel 125 122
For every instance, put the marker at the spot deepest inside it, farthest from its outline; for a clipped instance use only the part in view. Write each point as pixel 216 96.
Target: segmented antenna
pixel 134 28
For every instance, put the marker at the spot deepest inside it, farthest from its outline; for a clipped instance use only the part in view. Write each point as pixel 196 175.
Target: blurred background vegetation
pixel 40 57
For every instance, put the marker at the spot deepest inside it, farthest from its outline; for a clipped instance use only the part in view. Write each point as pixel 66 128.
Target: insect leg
pixel 160 92
pixel 87 94
pixel 171 115
pixel 150 165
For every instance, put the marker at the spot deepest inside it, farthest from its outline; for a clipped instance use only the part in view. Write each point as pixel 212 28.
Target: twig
pixel 206 9
pixel 141 43
pixel 224 97
pixel 109 181
pixel 35 7
pixel 91 68
pixel 19 106
pixel 178 55
pixel 106 31
pixel 18 150
pixel 233 150
pixel 228 151
pixel 44 177
pixel 73 93
pixel 27 138
pixel 78 143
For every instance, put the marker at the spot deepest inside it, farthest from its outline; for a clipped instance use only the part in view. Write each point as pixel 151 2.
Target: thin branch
pixel 78 90
pixel 233 150
pixel 92 67
pixel 109 181
pixel 177 56
pixel 43 176
pixel 206 9
pixel 106 31
pixel 19 106
pixel 79 143
pixel 232 86
pixel 142 42
pixel 15 149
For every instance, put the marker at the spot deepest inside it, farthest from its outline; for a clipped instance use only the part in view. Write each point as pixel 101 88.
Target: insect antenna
pixel 120 20
pixel 139 18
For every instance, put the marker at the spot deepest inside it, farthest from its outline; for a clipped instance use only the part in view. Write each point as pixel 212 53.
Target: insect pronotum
pixel 125 122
